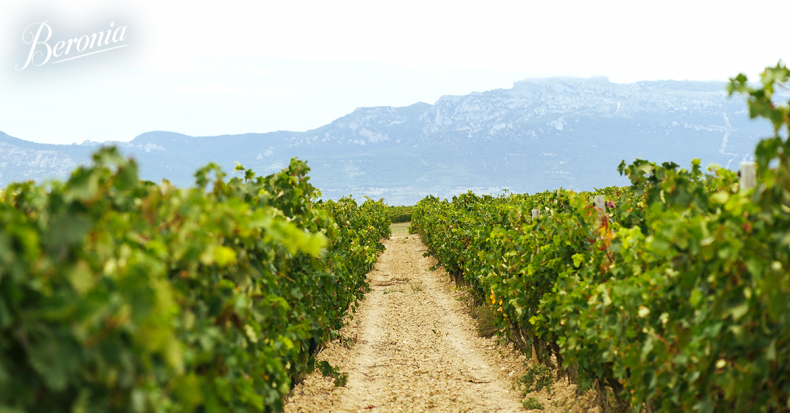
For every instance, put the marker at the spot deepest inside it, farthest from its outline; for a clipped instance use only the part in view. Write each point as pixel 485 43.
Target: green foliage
pixel 398 214
pixel 531 404
pixel 326 370
pixel 677 298
pixel 537 378
pixel 122 295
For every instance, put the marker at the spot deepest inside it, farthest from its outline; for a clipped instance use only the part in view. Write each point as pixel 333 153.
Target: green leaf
pixel 188 392
pixel 224 256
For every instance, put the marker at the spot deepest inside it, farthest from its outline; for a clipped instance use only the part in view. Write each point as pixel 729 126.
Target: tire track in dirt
pixel 415 350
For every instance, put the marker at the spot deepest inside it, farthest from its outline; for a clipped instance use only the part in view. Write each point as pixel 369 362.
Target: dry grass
pixel 486 320
pixel 401 228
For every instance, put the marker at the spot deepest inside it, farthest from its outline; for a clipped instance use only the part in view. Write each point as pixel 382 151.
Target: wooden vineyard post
pixel 600 205
pixel 748 175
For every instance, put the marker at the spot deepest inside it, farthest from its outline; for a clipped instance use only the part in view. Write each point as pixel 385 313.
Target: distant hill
pixel 541 134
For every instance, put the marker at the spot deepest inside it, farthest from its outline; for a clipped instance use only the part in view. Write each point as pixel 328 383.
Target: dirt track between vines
pixel 415 348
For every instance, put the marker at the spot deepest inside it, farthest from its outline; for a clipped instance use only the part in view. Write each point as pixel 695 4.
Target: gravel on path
pixel 415 348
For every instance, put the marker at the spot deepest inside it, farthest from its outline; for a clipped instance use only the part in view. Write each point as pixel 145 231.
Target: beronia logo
pixel 42 49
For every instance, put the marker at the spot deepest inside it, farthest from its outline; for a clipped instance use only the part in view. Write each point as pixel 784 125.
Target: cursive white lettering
pixel 34 42
pixel 59 45
pixel 38 35
pixel 107 38
pixel 93 39
pixel 69 46
pixel 123 34
pixel 87 39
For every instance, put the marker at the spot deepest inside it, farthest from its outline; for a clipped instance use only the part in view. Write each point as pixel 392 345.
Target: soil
pixel 412 346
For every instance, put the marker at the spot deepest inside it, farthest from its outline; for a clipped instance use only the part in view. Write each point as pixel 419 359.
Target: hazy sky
pixel 226 67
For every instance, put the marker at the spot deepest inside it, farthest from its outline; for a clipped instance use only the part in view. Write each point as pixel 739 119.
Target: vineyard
pixel 122 295
pixel 673 296
pixel 399 214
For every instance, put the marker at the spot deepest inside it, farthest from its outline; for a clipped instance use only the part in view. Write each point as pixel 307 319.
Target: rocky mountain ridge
pixel 541 134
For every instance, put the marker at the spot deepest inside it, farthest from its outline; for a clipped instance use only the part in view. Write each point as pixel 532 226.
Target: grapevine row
pixel 677 298
pixel 121 295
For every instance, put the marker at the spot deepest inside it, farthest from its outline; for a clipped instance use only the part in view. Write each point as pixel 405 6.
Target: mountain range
pixel 540 134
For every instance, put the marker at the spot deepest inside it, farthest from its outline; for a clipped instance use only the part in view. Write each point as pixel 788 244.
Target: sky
pixel 207 68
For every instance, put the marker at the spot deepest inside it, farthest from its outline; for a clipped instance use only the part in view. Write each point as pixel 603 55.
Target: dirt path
pixel 415 348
